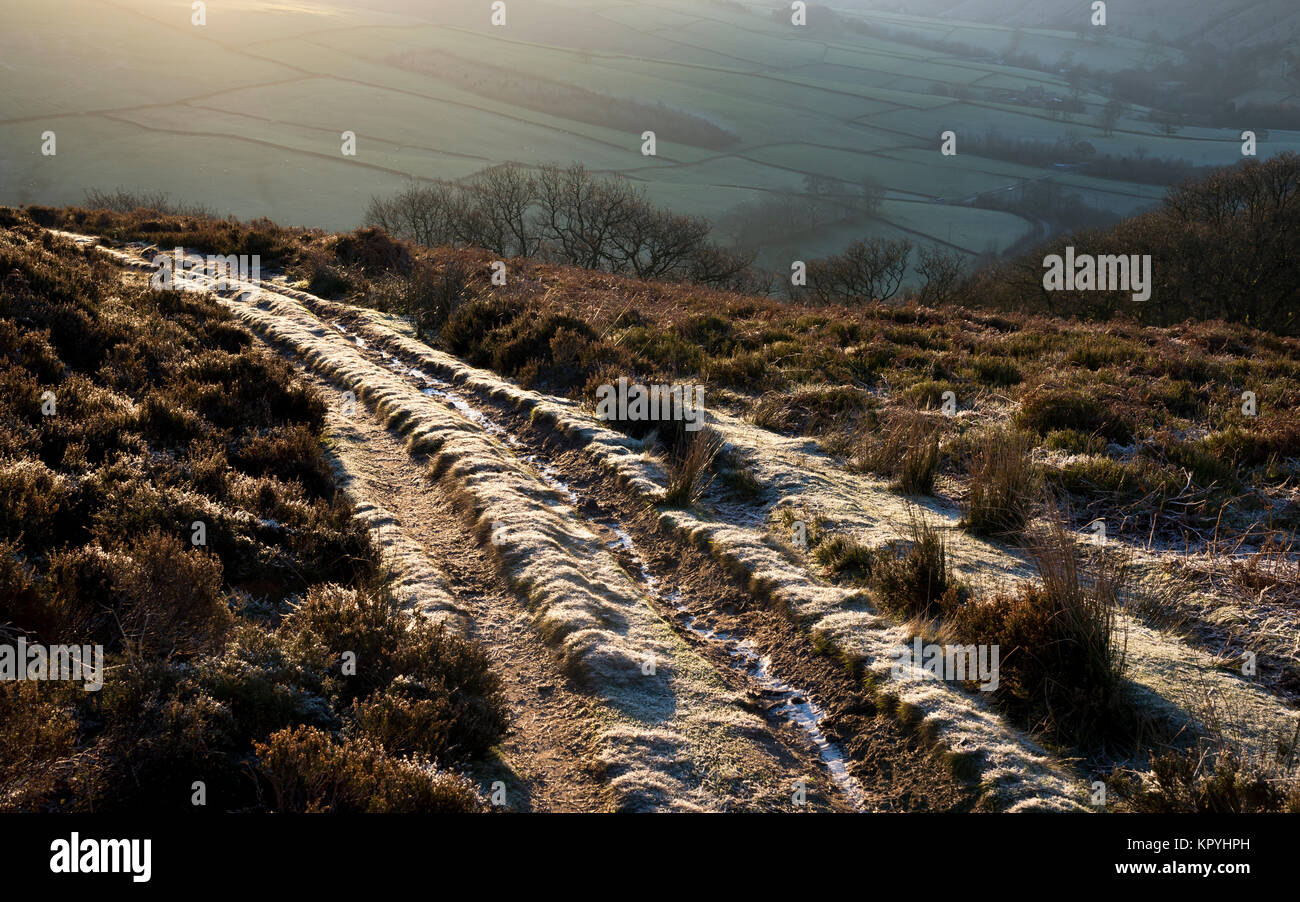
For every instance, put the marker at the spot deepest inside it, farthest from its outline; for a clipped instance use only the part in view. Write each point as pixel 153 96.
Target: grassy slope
pixel 221 653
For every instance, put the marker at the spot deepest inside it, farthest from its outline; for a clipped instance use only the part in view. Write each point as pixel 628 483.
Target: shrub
pixel 265 684
pixel 916 579
pixel 1046 409
pixel 997 372
pixel 410 662
pixel 171 600
pixel 844 556
pixel 35 500
pixel 446 722
pixel 467 327
pixel 310 772
pixel 37 739
pixel 291 452
pixel 373 251
pixel 1212 778
pixel 433 293
pixel 531 339
pixel 1062 664
pixel 158 731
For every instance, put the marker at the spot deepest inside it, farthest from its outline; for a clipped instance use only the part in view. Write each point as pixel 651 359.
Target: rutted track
pixel 789 703
pixel 605 577
pixel 670 731
pixel 622 590
pixel 1169 677
pixel 969 737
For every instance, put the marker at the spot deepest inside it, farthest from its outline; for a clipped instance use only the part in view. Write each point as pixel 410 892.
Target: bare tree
pixel 424 214
pixel 655 244
pixel 564 214
pixel 500 199
pixel 711 265
pixel 578 215
pixel 866 271
pixel 941 268
pixel 1109 115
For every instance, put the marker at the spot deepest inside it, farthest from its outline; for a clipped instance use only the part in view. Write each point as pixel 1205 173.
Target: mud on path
pixel 741 633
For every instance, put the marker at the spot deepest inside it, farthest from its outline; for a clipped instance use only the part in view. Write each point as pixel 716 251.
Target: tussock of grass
pixel 812 409
pixel 916 579
pixel 737 478
pixel 1004 483
pixel 905 447
pixel 845 557
pixel 1062 655
pixel 689 468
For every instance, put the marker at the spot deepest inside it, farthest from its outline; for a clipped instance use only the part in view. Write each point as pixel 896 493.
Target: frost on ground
pixel 1169 677
pixel 675 738
pixel 1014 770
pixel 673 735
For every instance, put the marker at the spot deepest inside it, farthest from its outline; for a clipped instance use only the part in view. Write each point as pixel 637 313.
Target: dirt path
pixel 662 659
pixel 547 761
pixel 1170 678
pixel 615 705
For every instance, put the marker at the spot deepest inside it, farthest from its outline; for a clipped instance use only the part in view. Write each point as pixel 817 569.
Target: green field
pixel 244 114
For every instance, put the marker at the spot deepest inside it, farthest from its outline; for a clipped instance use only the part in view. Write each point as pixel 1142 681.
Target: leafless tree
pixel 866 271
pixel 499 200
pixel 941 268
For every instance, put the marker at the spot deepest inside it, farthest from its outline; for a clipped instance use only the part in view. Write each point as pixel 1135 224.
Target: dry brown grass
pixel 170 414
pixel 1062 650
pixel 904 446
pixel 1004 484
pixel 689 468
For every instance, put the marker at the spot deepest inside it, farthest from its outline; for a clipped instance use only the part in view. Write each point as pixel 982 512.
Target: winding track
pixel 623 696
pixel 647 661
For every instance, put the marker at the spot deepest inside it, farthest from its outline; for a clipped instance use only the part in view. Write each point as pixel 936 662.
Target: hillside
pixel 723 611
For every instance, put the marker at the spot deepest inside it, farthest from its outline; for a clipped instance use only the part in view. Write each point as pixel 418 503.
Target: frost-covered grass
pixel 1017 771
pixel 673 736
pixel 1125 380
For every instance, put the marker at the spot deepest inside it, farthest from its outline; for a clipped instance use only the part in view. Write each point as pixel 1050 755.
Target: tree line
pixel 563 215
pixel 1224 246
pixel 569 215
